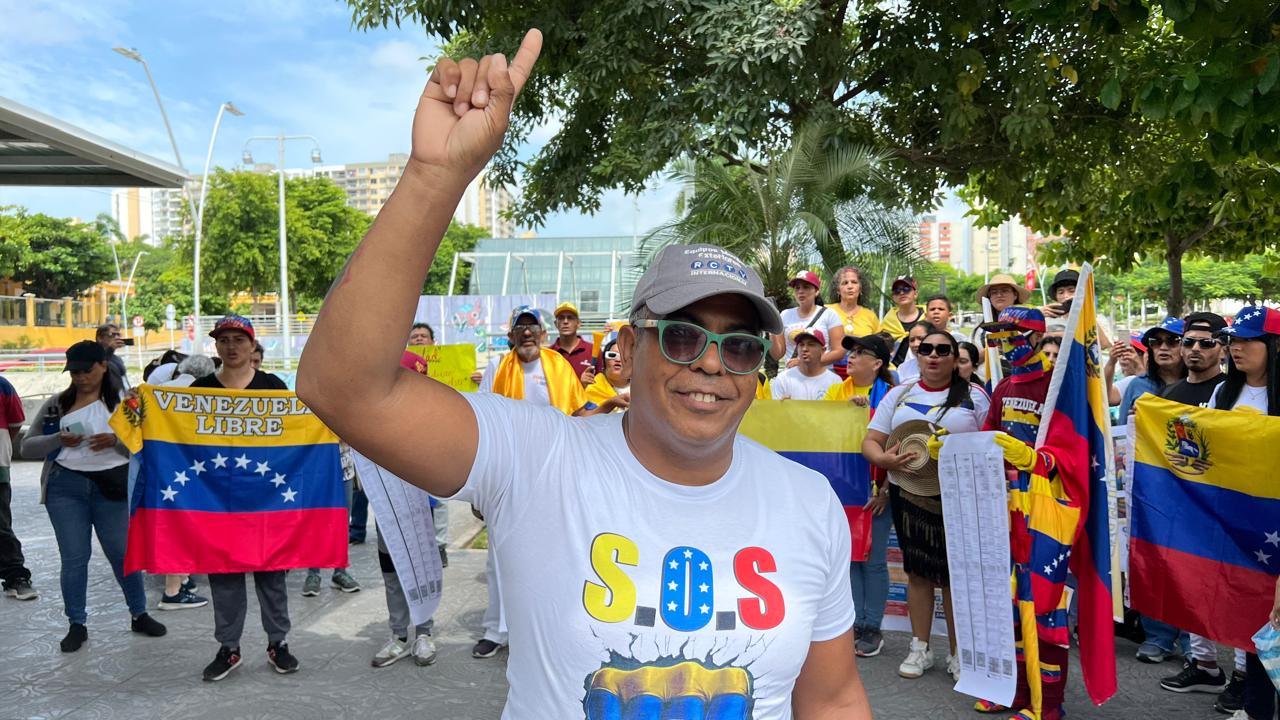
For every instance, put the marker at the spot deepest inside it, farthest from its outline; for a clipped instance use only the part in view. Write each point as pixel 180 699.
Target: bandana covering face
pixel 1016 347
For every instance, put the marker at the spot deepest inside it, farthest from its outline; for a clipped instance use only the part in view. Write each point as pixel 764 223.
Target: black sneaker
pixel 21 589
pixel 444 556
pixel 281 659
pixel 870 644
pixel 1194 678
pixel 184 599
pixel 224 662
pixel 144 624
pixel 76 635
pixel 190 584
pixel 1231 698
pixel 486 648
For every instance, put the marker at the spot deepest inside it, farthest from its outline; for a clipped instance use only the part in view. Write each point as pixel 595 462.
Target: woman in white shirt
pixel 943 398
pixel 807 315
pixel 84 487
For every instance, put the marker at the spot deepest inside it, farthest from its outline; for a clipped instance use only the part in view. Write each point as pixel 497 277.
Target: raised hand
pixel 466 107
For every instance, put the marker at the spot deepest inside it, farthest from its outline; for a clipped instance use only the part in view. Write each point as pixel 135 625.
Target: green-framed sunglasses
pixel 684 343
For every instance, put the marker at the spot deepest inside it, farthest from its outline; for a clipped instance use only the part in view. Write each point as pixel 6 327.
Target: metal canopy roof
pixel 36 149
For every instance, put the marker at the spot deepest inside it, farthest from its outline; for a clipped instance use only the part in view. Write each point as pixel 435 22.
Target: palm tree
pixel 807 207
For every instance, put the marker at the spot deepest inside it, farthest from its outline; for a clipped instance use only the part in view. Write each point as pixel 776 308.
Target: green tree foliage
pixel 241 235
pixel 790 211
pixel 460 237
pixel 53 257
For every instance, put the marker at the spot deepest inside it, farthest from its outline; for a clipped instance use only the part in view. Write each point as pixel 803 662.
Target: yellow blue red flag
pixel 1076 431
pixel 1204 549
pixel 231 481
pixel 825 437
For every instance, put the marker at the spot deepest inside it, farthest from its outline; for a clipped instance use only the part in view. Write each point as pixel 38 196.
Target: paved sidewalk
pixel 120 675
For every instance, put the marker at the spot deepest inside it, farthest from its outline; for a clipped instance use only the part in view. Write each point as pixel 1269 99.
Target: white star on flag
pixel 671 606
pixel 242 461
pixel 197 467
pixel 703 587
pixel 169 493
pixel 278 480
pixel 1273 538
pixel 1262 557
pixel 263 468
pixel 180 477
pixel 289 494
pixel 673 585
pixel 705 610
pixel 702 566
pixel 675 565
pixel 219 460
pixel 688 554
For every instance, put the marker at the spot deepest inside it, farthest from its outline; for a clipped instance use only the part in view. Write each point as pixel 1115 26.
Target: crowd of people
pixel 597 558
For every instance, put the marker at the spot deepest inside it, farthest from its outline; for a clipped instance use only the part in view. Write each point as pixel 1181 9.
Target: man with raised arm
pixel 676 565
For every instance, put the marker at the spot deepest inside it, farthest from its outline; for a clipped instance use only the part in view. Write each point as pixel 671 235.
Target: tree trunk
pixel 1173 257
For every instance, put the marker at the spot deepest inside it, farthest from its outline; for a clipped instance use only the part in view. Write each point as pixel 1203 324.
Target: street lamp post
pixel 133 54
pixel 124 297
pixel 283 312
pixel 199 218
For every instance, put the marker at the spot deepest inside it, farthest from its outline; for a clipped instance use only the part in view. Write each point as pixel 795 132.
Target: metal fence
pixel 13 310
pixel 50 313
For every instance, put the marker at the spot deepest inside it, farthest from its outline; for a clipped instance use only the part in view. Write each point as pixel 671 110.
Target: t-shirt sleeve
pixel 830 320
pixel 835 610
pixel 486 380
pixel 882 419
pixel 778 388
pixel 512 434
pixel 10 405
pixel 981 404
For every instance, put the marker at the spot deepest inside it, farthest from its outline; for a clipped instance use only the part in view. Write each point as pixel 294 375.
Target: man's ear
pixel 627 340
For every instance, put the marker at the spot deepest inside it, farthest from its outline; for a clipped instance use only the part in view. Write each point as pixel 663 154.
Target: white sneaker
pixel 953 667
pixel 424 650
pixel 918 660
pixel 391 652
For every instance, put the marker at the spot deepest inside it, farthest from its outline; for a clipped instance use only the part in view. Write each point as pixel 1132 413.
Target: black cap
pixel 1212 322
pixel 1064 277
pixel 83 355
pixel 874 343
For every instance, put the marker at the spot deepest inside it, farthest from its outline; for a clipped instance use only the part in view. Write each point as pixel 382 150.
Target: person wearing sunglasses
pixel 1202 351
pixel 610 389
pixel 1252 385
pixel 809 380
pixel 942 398
pixel 1164 364
pixel 671 533
pixel 906 313
pixel 807 315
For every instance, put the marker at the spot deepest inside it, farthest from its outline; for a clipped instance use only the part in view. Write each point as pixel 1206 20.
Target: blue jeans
pixel 1164 635
pixel 76 507
pixel 870 579
pixel 359 515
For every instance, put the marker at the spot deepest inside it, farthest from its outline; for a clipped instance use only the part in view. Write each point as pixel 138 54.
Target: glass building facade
pixel 598 274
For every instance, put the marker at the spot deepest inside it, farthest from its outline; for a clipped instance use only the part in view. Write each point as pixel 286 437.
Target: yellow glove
pixel 1016 452
pixel 935 442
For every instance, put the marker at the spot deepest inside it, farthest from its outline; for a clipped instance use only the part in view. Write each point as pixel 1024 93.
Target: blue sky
pixel 295 66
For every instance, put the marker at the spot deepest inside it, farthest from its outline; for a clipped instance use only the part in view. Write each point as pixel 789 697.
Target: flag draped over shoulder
pixel 1205 519
pixel 1076 430
pixel 827 438
pixel 231 481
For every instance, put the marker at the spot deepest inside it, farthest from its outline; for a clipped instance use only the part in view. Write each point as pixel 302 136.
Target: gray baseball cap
pixel 681 275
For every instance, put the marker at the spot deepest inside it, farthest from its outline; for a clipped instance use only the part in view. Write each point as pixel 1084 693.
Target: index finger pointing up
pixel 522 63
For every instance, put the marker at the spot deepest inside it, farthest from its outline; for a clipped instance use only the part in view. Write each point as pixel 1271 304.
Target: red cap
pixel 414 362
pixel 806 276
pixel 812 332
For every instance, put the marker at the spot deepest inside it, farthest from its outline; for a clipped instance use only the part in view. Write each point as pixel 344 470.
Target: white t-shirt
pixel 163 374
pixel 791 321
pixel 916 402
pixel 1251 399
pixel 791 383
pixel 535 381
pixel 88 420
pixel 606 568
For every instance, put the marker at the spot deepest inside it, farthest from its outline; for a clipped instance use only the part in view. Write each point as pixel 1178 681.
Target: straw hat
pixel 920 475
pixel 1004 279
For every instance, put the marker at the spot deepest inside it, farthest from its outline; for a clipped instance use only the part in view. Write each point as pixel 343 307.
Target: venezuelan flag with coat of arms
pixel 1075 430
pixel 825 437
pixel 231 481
pixel 1204 549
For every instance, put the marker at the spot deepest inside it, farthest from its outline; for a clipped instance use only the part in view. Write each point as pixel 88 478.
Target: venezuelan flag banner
pixel 231 481
pixel 1204 549
pixel 827 438
pixel 1076 430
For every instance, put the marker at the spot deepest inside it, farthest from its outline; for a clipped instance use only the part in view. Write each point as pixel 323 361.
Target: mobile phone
pixel 74 428
pixel 127 341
